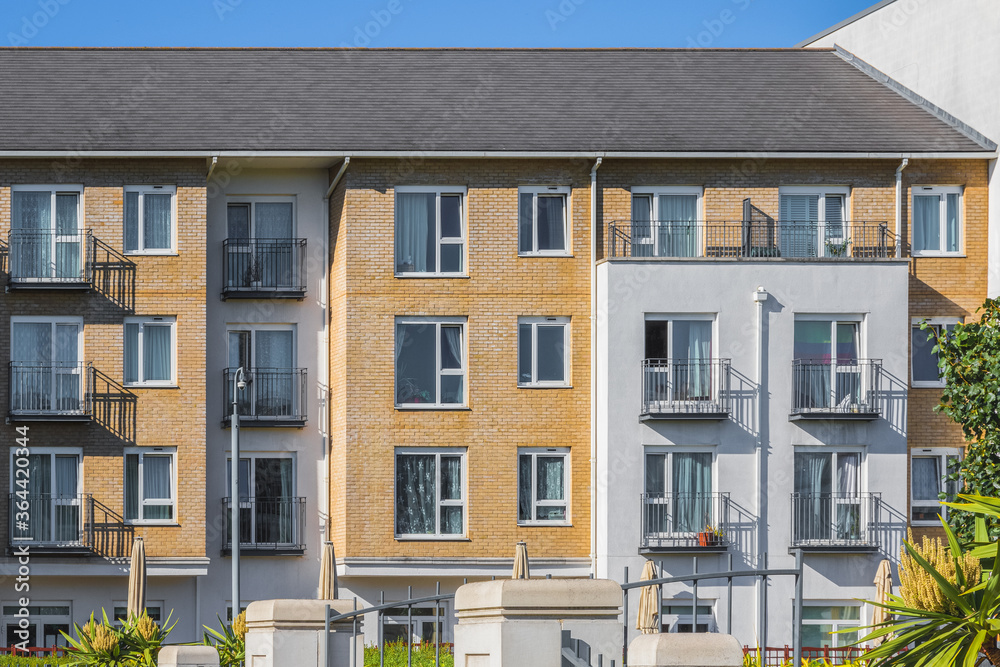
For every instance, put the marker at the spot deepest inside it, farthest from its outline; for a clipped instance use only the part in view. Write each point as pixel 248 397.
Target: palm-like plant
pixel 230 642
pixel 964 627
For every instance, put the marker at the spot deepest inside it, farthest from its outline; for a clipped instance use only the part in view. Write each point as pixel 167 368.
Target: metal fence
pixel 671 520
pixel 267 524
pixel 781 656
pixel 57 521
pixel 263 265
pixel 836 519
pixel 839 387
pixel 57 388
pixel 686 386
pixel 47 256
pixel 271 394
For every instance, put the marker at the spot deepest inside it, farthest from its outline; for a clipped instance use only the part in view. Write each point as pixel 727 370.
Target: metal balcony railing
pixel 53 390
pixel 271 524
pixel 273 396
pixel 264 267
pixel 845 520
pixel 685 387
pixel 51 521
pixel 50 258
pixel 685 521
pixel 847 388
pixel 794 239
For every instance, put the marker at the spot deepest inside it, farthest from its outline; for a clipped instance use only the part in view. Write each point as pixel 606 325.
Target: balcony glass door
pixel 679 361
pixel 828 374
pixel 267 503
pixel 827 505
pixel 267 356
pixel 679 492
pixel 260 247
pixel 46 242
pixel 665 225
pixel 52 494
pixel 46 372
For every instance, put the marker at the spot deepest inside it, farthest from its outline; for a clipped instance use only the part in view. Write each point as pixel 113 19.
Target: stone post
pixel 188 656
pixel 289 632
pixel 538 622
pixel 685 650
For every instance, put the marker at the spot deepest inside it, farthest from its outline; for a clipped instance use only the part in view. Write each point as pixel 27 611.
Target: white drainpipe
pixel 759 297
pixel 593 366
pixel 899 206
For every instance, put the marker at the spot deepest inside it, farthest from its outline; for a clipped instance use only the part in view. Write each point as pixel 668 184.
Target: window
pixel 677 616
pixel 430 362
pixel 149 219
pixel 543 221
pixel 665 222
pixel 149 351
pixel 542 351
pixel 679 498
pixel 150 485
pixel 47 369
pixel 46 241
pixel 430 493
pixel 827 371
pixel 820 621
pixel 542 486
pixel 812 221
pixel 678 362
pixel 154 609
pixel 929 469
pixel 268 506
pixel 430 231
pixel 267 355
pixel 924 370
pixel 44 623
pixel 260 251
pixel 827 497
pixel 937 221
pixel 49 486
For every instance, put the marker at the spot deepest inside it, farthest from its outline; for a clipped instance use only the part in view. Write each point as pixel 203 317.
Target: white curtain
pixel 67 371
pixel 39 499
pixel 156 478
pixel 272 379
pixel 524 487
pixel 692 360
pixel 848 498
pixel 68 245
pixel 31 213
pixel 678 231
pixel 451 358
pixel 156 362
pixel 273 230
pixel 415 494
pixel 692 489
pixel 926 222
pixel 813 486
pixel 415 242
pixel 551 222
pixel 67 510
pixel 952 223
pixel 813 347
pixel 156 213
pixel 551 473
pixel 926 479
pixel 31 374
pixel 451 489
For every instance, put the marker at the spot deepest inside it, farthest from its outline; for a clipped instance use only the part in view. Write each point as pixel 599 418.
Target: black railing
pixel 58 389
pixel 47 257
pixel 685 386
pixel 793 239
pixel 685 521
pixel 847 388
pixel 50 521
pixel 273 396
pixel 836 520
pixel 264 267
pixel 268 524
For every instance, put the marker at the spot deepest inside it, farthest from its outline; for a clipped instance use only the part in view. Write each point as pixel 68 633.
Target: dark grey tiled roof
pixel 455 100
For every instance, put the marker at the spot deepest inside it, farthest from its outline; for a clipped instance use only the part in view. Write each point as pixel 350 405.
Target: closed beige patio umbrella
pixel 328 574
pixel 647 620
pixel 137 579
pixel 883 588
pixel 521 562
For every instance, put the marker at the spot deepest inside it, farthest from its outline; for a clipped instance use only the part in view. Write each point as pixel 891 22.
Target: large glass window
pixel 267 499
pixel 679 489
pixel 430 231
pixel 46 497
pixel 543 221
pixel 665 222
pixel 430 362
pixel 149 351
pixel 150 487
pixel 826 372
pixel 47 370
pixel 149 219
pixel 924 371
pixel 542 485
pixel 46 241
pixel 812 221
pixel 267 356
pixel 430 492
pixel 543 351
pixel 822 625
pixel 260 252
pixel 929 470
pixel 827 504
pixel 937 221
pixel 678 359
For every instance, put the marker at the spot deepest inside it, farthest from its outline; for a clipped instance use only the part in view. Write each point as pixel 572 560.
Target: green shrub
pixel 423 655
pixel 24 661
pixel 135 644
pixel 230 642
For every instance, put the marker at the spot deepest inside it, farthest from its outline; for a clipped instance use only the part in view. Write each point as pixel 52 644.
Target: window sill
pixel 927 385
pixel 151 386
pixel 152 253
pixel 432 538
pixel 544 524
pixel 939 255
pixel 431 406
pixel 432 275
pixel 162 524
pixel 544 386
pixel 545 254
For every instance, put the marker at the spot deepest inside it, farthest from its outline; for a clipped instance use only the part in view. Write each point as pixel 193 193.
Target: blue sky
pixel 419 23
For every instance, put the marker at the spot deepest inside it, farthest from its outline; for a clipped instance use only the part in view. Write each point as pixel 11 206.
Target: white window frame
pixel 142 452
pixel 253 456
pixel 938 323
pixel 53 190
pixel 672 619
pixel 142 190
pixel 822 192
pixel 943 454
pixel 861 622
pixel 464 371
pixel 536 190
pixel 52 321
pixel 150 604
pixel 534 453
pixel 152 320
pixel 252 329
pixel 535 322
pixel 252 200
pixel 654 212
pixel 52 452
pixel 439 191
pixel 437 452
pixel 942 192
pixel 668 451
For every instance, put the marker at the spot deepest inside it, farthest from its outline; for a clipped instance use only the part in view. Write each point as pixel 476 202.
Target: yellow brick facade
pixel 135 285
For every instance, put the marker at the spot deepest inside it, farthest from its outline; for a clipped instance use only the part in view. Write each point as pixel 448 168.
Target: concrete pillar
pixel 188 656
pixel 538 622
pixel 290 632
pixel 685 650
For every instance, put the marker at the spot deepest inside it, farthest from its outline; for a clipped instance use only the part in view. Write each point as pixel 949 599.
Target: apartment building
pixel 475 307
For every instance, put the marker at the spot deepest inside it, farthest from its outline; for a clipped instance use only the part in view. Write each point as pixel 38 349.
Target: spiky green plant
pixel 230 642
pixel 136 644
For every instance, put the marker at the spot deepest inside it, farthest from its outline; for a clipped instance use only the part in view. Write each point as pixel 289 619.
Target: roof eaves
pixel 848 21
pixel 912 97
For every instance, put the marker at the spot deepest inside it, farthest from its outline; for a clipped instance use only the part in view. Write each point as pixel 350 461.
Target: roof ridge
pixel 915 98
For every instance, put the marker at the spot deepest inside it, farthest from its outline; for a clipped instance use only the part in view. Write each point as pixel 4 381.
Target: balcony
pixel 46 259
pixel 54 391
pixel 836 389
pixel 750 240
pixel 268 526
pixel 55 524
pixel 263 269
pixel 685 389
pixel 836 521
pixel 273 397
pixel 679 522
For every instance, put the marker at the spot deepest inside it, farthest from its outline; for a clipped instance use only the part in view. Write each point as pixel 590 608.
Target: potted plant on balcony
pixel 837 248
pixel 712 536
